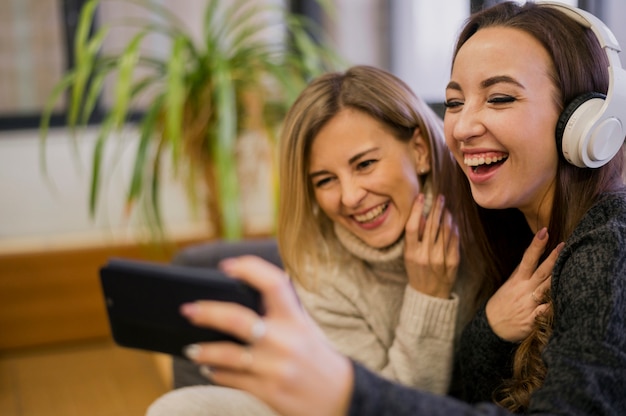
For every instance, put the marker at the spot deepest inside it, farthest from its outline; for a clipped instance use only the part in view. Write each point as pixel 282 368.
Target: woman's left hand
pixel 431 252
pixel 287 362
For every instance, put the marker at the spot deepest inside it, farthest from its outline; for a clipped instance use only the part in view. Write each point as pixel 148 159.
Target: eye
pixel 365 164
pixel 322 182
pixel 501 99
pixel 452 104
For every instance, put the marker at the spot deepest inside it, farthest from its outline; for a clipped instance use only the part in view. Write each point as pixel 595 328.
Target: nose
pixel 352 193
pixel 465 123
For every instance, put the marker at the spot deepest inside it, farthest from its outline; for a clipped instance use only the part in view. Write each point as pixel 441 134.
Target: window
pixel 34 53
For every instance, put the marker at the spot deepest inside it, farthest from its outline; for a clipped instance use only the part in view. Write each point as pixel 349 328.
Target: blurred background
pixel 51 313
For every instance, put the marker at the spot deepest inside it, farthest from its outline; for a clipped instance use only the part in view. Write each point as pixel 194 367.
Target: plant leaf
pixel 175 98
pixel 126 67
pixel 46 115
pixel 148 128
pixel 224 150
pixel 85 59
pixel 98 154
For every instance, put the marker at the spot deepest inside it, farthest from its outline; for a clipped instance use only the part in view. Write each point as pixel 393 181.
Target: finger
pixel 268 279
pixel 541 309
pixel 413 227
pixel 433 222
pixel 446 229
pixel 533 253
pixel 228 317
pixel 545 268
pixel 226 357
pixel 541 290
pixel 453 248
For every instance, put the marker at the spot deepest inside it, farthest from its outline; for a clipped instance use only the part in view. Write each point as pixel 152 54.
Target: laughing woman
pixel 373 264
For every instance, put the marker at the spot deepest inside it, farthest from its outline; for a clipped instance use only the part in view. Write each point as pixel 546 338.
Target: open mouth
pixel 372 214
pixel 484 163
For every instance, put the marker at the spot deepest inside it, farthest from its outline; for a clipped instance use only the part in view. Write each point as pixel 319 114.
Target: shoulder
pixel 592 265
pixel 605 222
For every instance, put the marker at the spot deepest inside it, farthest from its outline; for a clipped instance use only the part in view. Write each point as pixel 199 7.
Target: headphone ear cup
pixel 572 123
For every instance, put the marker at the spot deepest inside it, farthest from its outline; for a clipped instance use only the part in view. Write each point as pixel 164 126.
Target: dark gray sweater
pixel 586 355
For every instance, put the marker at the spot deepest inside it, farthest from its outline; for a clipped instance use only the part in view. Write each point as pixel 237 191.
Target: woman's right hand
pixel 431 249
pixel 512 310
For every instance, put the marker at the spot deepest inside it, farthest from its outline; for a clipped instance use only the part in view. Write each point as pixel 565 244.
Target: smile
pixel 372 214
pixel 477 161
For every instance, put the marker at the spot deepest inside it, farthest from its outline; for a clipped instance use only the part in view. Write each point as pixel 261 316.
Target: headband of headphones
pixel 592 131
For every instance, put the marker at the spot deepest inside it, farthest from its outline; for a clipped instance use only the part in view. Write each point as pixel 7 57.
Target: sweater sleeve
pixel 420 353
pixel 375 396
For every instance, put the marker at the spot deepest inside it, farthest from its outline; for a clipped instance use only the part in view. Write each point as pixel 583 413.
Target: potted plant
pixel 202 95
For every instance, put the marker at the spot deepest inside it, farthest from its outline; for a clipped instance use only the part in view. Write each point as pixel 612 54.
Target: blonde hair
pixel 305 233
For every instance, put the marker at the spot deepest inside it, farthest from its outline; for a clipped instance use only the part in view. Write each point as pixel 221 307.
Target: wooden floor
pixel 92 378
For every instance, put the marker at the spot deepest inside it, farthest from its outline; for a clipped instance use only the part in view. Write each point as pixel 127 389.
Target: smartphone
pixel 143 303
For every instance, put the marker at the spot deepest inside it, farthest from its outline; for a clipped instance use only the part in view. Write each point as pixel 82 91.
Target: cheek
pixel 326 202
pixel 408 189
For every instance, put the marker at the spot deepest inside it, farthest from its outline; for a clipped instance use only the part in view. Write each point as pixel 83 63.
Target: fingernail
pixel 542 233
pixel 420 198
pixel 226 264
pixel 192 351
pixel 206 371
pixel 188 309
pixel 560 247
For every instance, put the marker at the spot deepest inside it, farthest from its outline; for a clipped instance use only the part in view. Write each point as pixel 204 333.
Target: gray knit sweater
pixel 586 355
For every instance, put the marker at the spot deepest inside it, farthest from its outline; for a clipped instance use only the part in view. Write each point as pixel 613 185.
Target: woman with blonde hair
pixel 364 234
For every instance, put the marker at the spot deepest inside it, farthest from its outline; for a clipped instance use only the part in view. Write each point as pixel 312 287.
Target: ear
pixel 421 152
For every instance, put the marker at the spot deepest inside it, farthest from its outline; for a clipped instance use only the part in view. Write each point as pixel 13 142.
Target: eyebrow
pixel 350 161
pixel 498 79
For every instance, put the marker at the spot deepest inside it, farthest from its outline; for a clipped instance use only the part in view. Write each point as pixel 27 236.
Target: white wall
pixel 615 11
pixel 33 205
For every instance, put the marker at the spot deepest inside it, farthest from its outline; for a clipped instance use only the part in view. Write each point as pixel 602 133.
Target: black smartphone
pixel 143 303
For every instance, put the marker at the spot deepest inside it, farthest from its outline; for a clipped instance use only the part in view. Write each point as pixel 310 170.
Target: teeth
pixel 482 160
pixel 372 214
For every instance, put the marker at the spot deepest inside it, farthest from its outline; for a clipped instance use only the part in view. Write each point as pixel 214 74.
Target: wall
pixel 34 205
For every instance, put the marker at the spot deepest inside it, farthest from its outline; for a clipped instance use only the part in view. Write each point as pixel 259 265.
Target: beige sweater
pixel 366 308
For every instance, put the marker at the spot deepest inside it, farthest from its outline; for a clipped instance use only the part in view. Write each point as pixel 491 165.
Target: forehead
pixel 496 51
pixel 347 134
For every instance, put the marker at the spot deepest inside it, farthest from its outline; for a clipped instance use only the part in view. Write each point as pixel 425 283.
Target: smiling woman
pixel 484 99
pixel 374 266
pixel 367 182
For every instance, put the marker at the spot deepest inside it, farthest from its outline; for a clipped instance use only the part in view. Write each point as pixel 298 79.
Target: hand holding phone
pixel 143 301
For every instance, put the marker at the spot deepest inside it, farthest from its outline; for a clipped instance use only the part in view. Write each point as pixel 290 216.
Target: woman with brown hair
pixel 362 161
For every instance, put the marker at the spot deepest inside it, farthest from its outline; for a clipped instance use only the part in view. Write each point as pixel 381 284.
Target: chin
pixel 384 241
pixel 484 201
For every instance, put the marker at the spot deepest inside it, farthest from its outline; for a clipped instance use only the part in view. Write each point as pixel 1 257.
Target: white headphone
pixel 591 128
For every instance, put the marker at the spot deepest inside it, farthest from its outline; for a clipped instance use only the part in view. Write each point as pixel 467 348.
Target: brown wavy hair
pixel 579 66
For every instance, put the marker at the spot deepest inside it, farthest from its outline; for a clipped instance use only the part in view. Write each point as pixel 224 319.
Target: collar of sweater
pixel 389 258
